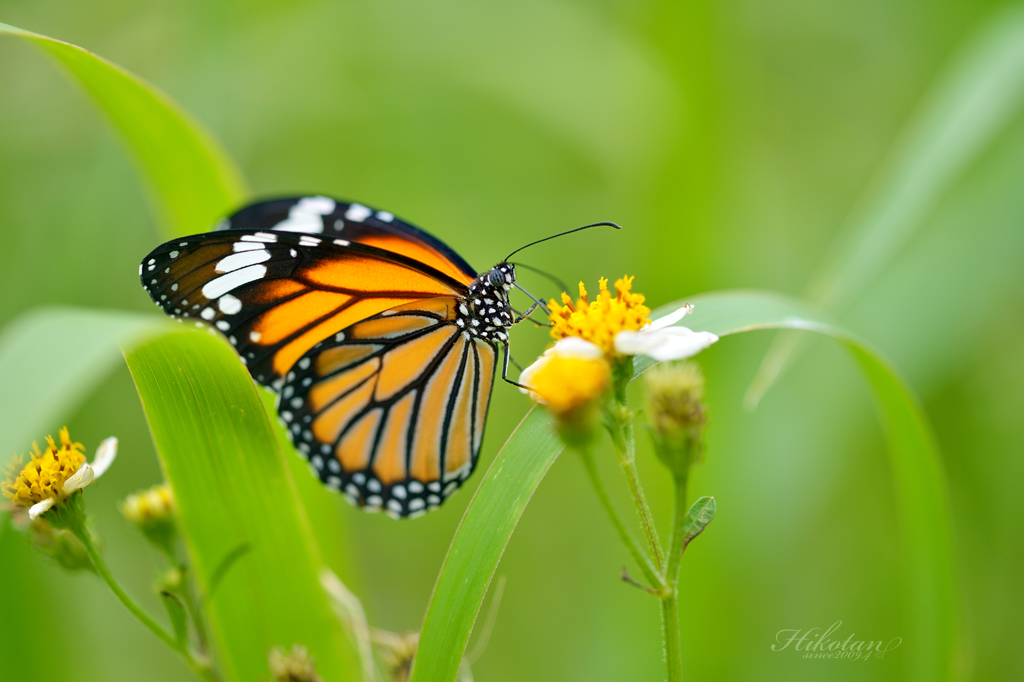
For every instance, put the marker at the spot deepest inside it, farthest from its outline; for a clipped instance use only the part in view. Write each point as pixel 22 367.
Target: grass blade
pixel 922 499
pixel 192 180
pixel 233 489
pixel 971 104
pixel 479 542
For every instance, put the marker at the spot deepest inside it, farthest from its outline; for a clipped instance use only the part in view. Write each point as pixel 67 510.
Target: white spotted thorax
pixel 486 312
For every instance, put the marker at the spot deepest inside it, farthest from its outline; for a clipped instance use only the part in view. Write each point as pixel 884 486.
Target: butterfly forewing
pixel 391 410
pixel 277 294
pixel 356 223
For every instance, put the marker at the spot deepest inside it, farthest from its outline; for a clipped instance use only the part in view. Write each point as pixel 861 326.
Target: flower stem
pixel 200 667
pixel 670 600
pixel 625 446
pixel 641 557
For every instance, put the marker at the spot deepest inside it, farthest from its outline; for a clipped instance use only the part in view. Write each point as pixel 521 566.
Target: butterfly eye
pixel 496 277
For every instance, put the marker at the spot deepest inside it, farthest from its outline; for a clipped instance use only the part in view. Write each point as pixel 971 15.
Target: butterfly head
pixel 486 312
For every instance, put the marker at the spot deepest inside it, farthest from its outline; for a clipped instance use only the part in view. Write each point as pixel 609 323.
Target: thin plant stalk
pixel 200 667
pixel 670 596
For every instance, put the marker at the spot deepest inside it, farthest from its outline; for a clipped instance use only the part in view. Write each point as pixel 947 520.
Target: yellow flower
pixel 619 325
pixel 570 375
pixel 56 473
pixel 601 320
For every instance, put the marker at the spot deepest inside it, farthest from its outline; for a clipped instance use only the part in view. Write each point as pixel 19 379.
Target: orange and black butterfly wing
pixel 277 294
pixel 335 219
pixel 391 410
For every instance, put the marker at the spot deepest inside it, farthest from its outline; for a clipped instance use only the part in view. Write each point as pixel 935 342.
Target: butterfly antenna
pixel 553 278
pixel 561 234
pixel 535 299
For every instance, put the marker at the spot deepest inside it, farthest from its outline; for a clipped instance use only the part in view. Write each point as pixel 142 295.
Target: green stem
pixel 201 668
pixel 625 447
pixel 641 557
pixel 192 602
pixel 670 600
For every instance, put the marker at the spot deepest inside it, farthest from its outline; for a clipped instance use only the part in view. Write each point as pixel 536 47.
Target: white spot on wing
pixel 307 215
pixel 238 247
pixel 264 237
pixel 238 261
pixel 385 216
pixel 208 313
pixel 254 337
pixel 229 305
pixel 357 213
pixel 225 283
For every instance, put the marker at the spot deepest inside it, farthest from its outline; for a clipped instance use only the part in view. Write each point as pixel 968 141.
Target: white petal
pixel 671 343
pixel 105 455
pixel 575 347
pixel 79 479
pixel 40 507
pixel 670 319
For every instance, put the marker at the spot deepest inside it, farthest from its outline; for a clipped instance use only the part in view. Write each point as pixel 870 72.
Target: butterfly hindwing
pixel 334 219
pixel 391 410
pixel 275 295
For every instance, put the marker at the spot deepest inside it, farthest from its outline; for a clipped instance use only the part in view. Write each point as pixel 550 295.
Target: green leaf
pixel 919 484
pixel 233 488
pixel 192 180
pixel 51 358
pixel 479 542
pixel 975 100
pixel 179 619
pixel 697 519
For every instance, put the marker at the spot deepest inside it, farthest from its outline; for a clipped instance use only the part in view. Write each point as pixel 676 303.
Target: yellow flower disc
pixel 600 320
pixel 567 384
pixel 44 476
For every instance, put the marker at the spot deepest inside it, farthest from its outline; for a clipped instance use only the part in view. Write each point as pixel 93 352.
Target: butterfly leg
pixel 526 316
pixel 504 371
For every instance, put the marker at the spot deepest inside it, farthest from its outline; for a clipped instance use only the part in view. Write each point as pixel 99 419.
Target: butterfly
pixel 380 341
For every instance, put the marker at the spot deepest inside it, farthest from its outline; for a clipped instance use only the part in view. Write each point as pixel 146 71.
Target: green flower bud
pixel 152 511
pixel 675 403
pixel 61 545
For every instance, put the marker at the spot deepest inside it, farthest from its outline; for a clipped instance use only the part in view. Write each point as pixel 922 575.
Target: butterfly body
pixel 380 341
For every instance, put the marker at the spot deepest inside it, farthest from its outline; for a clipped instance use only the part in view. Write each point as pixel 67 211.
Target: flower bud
pixel 675 394
pixel 152 511
pixel 61 545
pixel 292 666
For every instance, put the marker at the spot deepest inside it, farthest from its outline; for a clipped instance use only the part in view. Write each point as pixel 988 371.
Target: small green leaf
pixel 192 180
pixel 178 617
pixel 697 519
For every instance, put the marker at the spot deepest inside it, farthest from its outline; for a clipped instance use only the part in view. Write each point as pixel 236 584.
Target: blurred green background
pixel 734 141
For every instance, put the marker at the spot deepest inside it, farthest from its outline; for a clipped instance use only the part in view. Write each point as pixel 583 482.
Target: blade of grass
pixel 51 358
pixel 479 542
pixel 922 499
pixel 192 181
pixel 972 102
pixel 233 488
